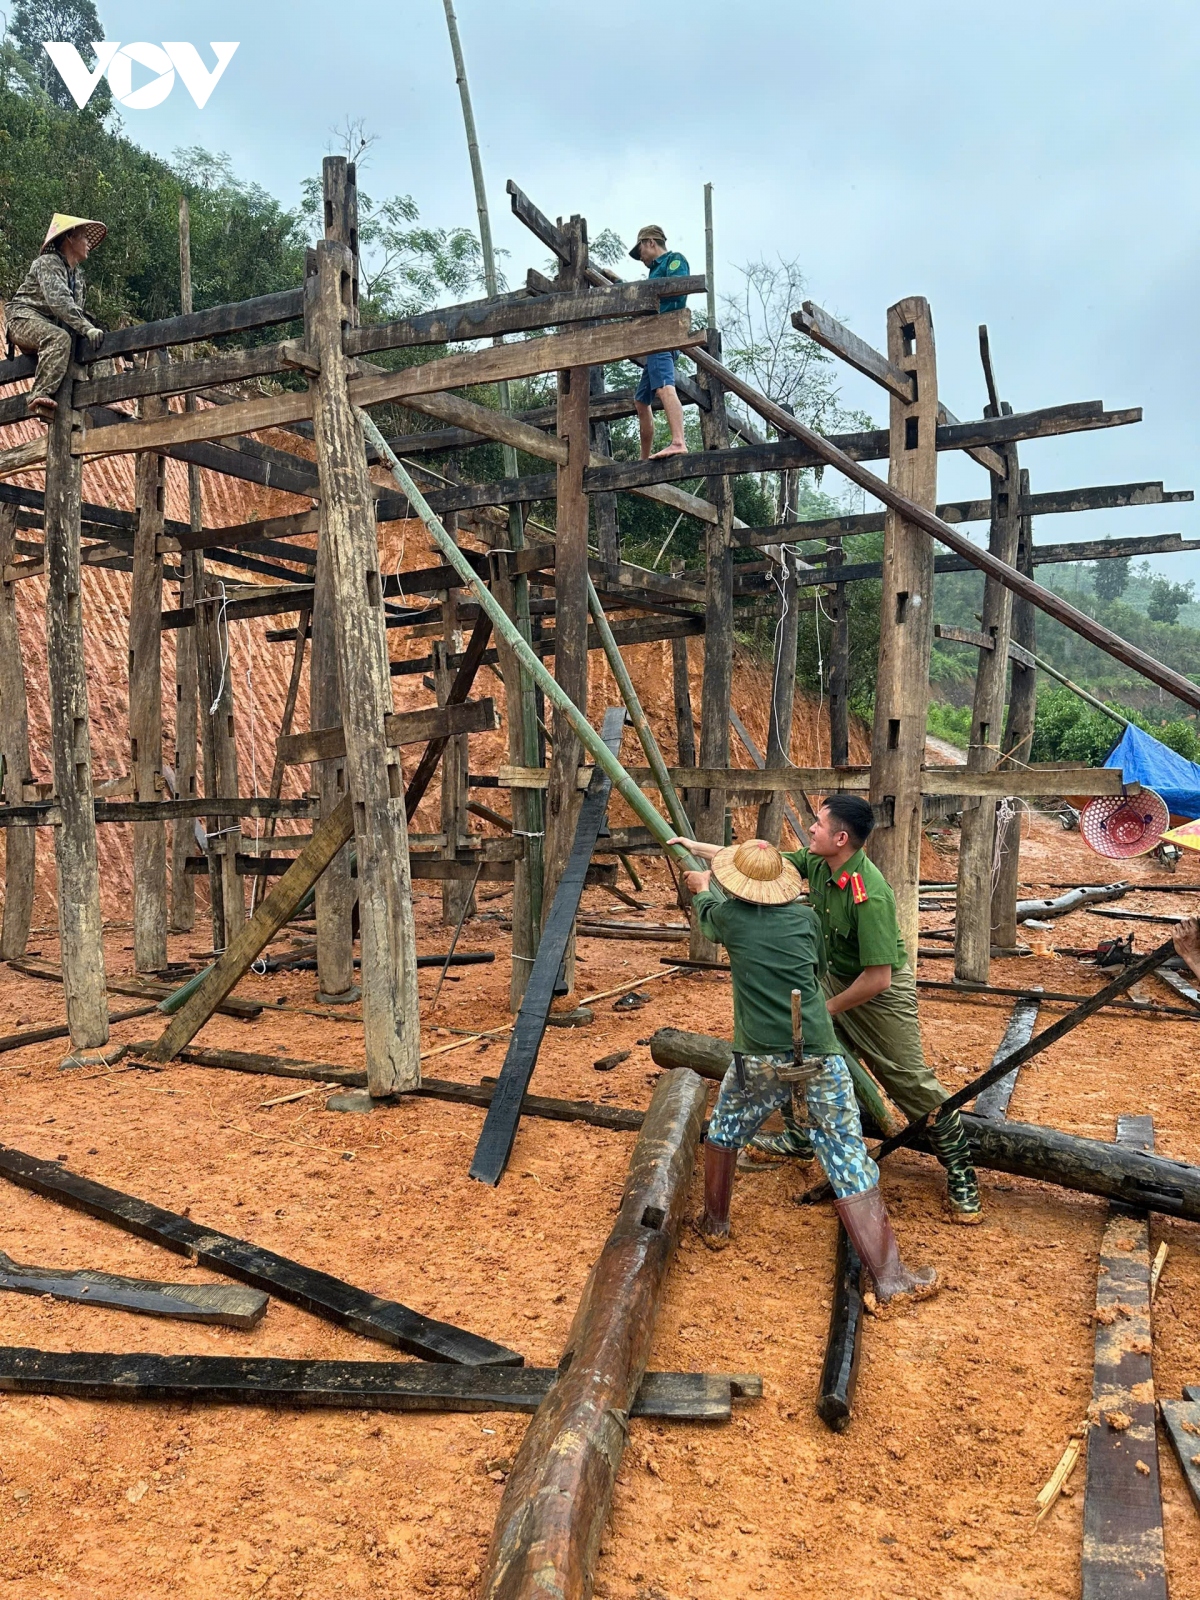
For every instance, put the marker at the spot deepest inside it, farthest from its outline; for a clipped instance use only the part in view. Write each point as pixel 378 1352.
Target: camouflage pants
pixel 51 343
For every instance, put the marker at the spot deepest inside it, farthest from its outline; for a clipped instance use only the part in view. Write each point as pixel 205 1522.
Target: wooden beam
pixel 772 810
pixel 20 848
pixel 835 337
pixel 484 319
pixel 1046 600
pixel 843 1344
pixel 905 621
pixel 177 377
pixel 400 727
pixel 605 343
pixel 994 1101
pixel 499 1131
pixel 314 1291
pixel 1032 781
pixel 220 761
pixel 557 1496
pixel 1122 1504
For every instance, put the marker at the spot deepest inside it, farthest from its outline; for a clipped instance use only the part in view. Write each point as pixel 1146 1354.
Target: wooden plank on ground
pixel 1181 1419
pixel 504 1113
pixel 225 1304
pixel 359 1385
pixel 1122 1507
pixel 317 1292
pixel 994 1100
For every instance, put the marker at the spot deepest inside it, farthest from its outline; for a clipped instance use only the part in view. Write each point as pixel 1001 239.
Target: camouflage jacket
pixel 52 289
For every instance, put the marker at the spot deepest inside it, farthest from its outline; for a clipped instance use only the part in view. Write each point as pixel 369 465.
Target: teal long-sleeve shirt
pixel 772 950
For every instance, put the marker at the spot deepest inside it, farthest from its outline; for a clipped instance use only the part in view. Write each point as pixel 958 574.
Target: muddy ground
pixel 963 1407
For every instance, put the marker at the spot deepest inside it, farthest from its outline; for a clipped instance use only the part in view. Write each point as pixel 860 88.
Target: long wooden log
pixel 20 849
pixel 556 1501
pixel 1031 781
pixel 317 1292
pixel 225 1304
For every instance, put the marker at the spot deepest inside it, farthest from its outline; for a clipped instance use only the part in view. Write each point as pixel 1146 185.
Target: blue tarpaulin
pixel 1144 759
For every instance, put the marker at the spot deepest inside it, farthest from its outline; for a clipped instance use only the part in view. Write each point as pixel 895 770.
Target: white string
pixel 223 642
pixel 1006 809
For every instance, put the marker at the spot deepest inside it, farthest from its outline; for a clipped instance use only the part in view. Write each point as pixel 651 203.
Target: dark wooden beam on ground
pixel 317 1292
pixel 557 1496
pixel 220 1303
pixel 994 1101
pixel 843 1344
pixel 1181 1420
pixel 1122 1504
pixel 357 1385
pixel 500 1127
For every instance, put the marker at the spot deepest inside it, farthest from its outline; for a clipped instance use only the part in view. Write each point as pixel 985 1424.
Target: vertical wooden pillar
pixel 20 844
pixel 563 797
pixel 456 893
pixel 976 851
pixel 1018 737
pixel 374 774
pixel 839 664
pixel 335 894
pixel 521 725
pixel 783 696
pixel 604 506
pixel 716 686
pixel 183 834
pixel 219 748
pixel 906 619
pixel 81 946
pixel 145 701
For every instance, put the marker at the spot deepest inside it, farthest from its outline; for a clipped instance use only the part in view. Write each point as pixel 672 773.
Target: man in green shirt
pixel 775 948
pixel 658 375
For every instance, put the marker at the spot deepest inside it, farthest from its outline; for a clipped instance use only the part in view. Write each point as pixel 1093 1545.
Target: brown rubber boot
pixel 713 1223
pixel 865 1219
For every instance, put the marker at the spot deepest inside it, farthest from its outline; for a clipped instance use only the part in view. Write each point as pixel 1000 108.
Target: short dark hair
pixel 853 814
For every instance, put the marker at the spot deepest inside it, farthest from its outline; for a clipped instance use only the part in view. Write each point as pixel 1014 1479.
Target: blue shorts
pixel 658 372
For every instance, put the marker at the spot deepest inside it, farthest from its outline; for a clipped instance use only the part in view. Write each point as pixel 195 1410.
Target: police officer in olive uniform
pixel 870 993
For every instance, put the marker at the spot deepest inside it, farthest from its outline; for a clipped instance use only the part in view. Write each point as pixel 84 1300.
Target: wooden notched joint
pixel 294 355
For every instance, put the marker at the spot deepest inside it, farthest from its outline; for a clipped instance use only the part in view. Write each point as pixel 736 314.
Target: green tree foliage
pixel 34 22
pixel 1110 579
pixel 1068 729
pixel 1166 599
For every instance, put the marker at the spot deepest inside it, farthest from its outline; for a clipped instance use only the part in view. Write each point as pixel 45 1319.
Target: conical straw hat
pixel 1122 827
pixel 756 871
pixel 60 223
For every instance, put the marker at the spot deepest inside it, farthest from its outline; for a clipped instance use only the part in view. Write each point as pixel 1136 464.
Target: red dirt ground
pixel 963 1408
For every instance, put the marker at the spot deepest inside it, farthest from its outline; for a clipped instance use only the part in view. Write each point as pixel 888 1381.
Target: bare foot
pixel 669 450
pixel 44 408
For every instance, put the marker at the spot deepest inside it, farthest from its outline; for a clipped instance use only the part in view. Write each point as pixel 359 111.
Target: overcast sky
pixel 1031 166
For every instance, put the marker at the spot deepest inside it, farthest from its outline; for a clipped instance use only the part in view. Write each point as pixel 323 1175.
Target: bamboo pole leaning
pixel 588 737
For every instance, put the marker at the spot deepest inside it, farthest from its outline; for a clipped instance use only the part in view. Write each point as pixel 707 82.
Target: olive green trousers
pixel 885 1034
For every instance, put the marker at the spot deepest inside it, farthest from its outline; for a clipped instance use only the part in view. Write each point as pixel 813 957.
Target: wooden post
pixel 716 686
pixel 77 871
pixel 563 798
pixel 839 663
pixel 335 890
pixel 183 834
pixel 1018 737
pixel 20 844
pixel 783 697
pixel 220 762
pixel 456 892
pixel 521 729
pixel 279 765
pixel 145 700
pixel 604 506
pixel 546 1541
pixel 374 774
pixel 976 852
pixel 905 619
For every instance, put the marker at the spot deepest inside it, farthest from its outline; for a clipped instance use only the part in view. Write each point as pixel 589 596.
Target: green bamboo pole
pixel 588 737
pixel 637 716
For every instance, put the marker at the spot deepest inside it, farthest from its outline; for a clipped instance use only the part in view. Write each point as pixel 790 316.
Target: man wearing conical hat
pixel 775 947
pixel 47 311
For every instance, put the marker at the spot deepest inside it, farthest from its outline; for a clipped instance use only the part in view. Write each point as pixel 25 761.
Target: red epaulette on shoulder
pixel 858 889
